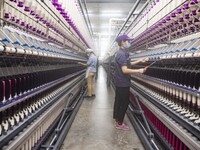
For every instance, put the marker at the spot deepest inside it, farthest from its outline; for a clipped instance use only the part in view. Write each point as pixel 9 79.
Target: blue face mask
pixel 128 45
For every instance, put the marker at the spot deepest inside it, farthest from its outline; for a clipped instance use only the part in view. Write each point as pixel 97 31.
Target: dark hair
pixel 120 43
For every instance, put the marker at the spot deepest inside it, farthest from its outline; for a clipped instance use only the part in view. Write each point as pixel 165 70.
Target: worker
pixel 90 72
pixel 123 80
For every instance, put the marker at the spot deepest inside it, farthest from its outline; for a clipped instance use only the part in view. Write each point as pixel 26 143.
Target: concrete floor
pixel 93 127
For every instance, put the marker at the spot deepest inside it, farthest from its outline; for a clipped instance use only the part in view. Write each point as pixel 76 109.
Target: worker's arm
pixel 126 70
pixel 139 60
pixel 82 64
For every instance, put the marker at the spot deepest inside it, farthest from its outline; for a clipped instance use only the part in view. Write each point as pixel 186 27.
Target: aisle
pixel 93 127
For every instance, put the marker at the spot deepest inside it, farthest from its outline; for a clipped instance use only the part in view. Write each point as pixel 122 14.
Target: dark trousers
pixel 121 103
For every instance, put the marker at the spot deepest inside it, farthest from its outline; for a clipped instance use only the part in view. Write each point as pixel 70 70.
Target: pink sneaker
pixel 122 127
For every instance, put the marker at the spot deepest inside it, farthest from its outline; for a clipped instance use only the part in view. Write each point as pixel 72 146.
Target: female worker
pixel 123 80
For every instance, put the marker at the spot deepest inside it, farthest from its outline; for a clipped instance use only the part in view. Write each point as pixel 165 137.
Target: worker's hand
pixel 78 62
pixel 141 70
pixel 145 68
pixel 143 60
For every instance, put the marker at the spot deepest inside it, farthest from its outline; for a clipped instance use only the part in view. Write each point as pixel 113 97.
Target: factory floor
pixel 93 127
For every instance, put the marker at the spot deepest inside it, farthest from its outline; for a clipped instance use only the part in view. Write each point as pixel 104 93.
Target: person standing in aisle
pixel 90 72
pixel 96 76
pixel 123 80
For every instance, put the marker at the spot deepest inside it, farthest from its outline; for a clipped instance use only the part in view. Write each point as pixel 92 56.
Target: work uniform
pixel 122 84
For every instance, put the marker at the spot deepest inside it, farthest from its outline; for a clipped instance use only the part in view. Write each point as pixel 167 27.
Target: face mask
pixel 128 45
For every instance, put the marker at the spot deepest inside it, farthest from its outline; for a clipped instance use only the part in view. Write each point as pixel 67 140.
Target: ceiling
pixel 106 18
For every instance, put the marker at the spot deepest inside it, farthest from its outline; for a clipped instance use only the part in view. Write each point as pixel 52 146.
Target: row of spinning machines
pixel 168 95
pixel 41 83
pixel 171 84
pixel 36 79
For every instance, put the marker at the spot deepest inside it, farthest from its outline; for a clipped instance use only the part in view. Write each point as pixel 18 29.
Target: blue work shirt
pixel 122 59
pixel 92 63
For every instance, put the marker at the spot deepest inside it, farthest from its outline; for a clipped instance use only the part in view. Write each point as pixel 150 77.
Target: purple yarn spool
pixel 20 4
pixel 6 15
pixel 187 16
pixel 22 24
pixel 59 7
pixel 168 18
pixel 32 13
pixel 196 20
pixel 55 2
pixel 194 12
pixel 181 20
pixel 173 15
pixel 17 21
pixel 179 11
pixel 27 9
pixel 12 18
pixel 194 2
pixel 186 6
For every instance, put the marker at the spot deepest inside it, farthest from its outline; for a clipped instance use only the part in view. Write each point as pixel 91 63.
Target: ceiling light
pixel 111 12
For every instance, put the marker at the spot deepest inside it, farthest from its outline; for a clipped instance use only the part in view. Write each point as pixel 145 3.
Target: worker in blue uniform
pixel 90 72
pixel 123 80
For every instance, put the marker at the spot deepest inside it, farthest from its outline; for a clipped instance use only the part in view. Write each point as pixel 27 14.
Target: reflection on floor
pixel 93 127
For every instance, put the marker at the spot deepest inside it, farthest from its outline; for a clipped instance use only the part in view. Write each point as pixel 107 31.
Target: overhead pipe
pixel 129 16
pixel 85 5
pixel 87 20
pixel 141 10
pixel 110 26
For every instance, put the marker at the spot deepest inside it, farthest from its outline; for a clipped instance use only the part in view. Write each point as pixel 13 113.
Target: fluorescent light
pixel 112 15
pixel 111 12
